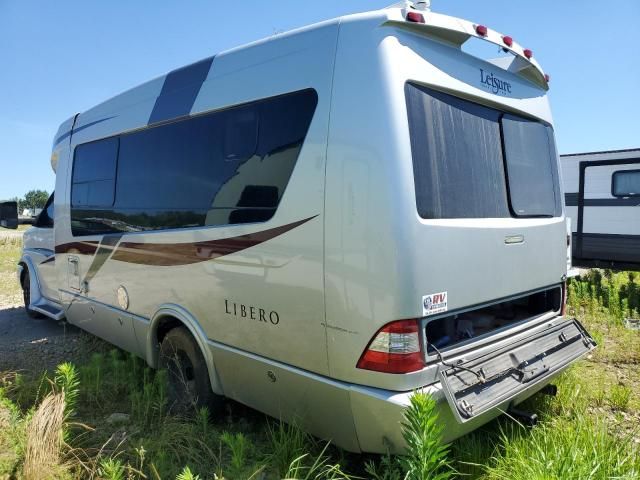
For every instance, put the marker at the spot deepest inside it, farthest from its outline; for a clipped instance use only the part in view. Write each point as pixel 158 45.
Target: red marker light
pixel 482 30
pixel 528 53
pixel 508 41
pixel 415 17
pixel 547 78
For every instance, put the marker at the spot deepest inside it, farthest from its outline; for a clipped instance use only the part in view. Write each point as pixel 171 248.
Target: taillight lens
pixel 482 30
pixel 415 17
pixel 395 348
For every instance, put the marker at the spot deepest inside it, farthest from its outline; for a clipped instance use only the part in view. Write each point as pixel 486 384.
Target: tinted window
pixel 460 150
pixel 457 157
pixel 46 217
pixel 94 173
pixel 531 167
pixel 626 183
pixel 227 167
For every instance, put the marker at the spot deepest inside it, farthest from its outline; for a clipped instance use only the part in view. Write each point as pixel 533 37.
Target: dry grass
pixel 10 292
pixel 44 434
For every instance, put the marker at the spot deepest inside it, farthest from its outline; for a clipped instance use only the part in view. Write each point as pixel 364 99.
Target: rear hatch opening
pixel 466 326
pixel 477 386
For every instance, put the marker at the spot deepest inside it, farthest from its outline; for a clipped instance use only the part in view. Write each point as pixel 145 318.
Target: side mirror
pixel 9 215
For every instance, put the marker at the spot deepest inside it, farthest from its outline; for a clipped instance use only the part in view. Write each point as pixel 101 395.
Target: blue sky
pixel 59 58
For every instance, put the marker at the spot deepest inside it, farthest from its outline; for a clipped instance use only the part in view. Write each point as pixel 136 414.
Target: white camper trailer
pixel 602 198
pixel 319 224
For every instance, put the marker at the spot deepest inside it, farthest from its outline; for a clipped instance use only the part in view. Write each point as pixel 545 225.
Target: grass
pixel 590 430
pixel 10 249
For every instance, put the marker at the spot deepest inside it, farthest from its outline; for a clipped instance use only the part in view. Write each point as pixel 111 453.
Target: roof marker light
pixel 508 41
pixel 528 53
pixel 482 30
pixel 547 78
pixel 415 17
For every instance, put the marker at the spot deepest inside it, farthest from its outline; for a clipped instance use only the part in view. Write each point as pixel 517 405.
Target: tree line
pixel 32 199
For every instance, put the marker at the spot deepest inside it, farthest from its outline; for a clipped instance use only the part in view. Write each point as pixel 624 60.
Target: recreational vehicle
pixel 321 223
pixel 602 199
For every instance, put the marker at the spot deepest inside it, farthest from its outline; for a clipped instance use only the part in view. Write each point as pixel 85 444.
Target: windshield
pixel 471 161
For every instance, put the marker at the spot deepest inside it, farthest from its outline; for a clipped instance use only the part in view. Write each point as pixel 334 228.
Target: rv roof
pixel 627 150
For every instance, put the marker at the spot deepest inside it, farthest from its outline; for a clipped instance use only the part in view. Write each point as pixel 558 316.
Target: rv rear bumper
pixel 379 413
pixel 367 419
pixel 472 393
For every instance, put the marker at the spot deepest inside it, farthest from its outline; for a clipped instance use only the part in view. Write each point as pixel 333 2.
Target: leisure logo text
pixel 493 83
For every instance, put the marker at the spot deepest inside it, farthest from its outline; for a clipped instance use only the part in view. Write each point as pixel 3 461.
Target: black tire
pixel 187 374
pixel 26 294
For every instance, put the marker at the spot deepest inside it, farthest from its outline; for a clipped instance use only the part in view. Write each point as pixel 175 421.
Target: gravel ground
pixel 32 345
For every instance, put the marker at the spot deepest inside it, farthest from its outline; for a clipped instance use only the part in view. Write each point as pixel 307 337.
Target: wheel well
pixel 24 269
pixel 165 325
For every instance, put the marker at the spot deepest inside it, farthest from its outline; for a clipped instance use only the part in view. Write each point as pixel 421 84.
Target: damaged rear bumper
pixel 475 387
pixel 509 375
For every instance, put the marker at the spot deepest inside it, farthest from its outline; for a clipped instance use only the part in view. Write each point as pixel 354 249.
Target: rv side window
pixel 625 183
pixel 531 167
pixel 457 157
pixel 222 168
pixel 46 217
pixel 94 173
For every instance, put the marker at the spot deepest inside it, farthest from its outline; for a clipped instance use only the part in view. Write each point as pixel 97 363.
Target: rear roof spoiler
pixel 456 31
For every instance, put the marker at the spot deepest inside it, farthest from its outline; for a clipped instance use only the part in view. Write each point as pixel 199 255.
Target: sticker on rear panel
pixel 434 303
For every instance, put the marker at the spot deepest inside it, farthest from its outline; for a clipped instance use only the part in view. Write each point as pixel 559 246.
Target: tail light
pixel 415 17
pixel 482 30
pixel 563 308
pixel 395 348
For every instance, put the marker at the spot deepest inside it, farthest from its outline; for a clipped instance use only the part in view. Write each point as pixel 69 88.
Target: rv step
pixel 48 309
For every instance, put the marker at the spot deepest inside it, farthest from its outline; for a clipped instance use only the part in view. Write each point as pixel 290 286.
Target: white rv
pixel 320 223
pixel 602 198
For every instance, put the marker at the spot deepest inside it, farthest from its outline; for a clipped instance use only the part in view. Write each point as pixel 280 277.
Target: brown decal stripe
pixel 86 248
pixel 172 254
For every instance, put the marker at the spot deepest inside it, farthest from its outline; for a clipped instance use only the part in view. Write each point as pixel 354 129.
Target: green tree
pixel 35 199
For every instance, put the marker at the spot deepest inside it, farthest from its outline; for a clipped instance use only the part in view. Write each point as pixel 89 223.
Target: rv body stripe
pixel 102 254
pixel 173 254
pixel 572 200
pixel 88 247
pixel 170 254
pixel 179 91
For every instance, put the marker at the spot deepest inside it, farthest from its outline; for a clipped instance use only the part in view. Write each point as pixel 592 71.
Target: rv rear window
pixel 460 151
pixel 457 157
pixel 531 167
pixel 625 183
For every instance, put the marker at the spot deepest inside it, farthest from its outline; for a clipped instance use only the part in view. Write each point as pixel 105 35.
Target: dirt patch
pixel 33 345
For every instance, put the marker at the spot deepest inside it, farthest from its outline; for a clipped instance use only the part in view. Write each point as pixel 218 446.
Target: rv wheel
pixel 188 376
pixel 26 295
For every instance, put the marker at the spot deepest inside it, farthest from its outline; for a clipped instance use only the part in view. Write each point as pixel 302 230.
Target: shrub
pixel 426 455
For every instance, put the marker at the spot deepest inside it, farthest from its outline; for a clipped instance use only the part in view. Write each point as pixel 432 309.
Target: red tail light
pixel 563 309
pixel 528 53
pixel 415 17
pixel 395 348
pixel 482 30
